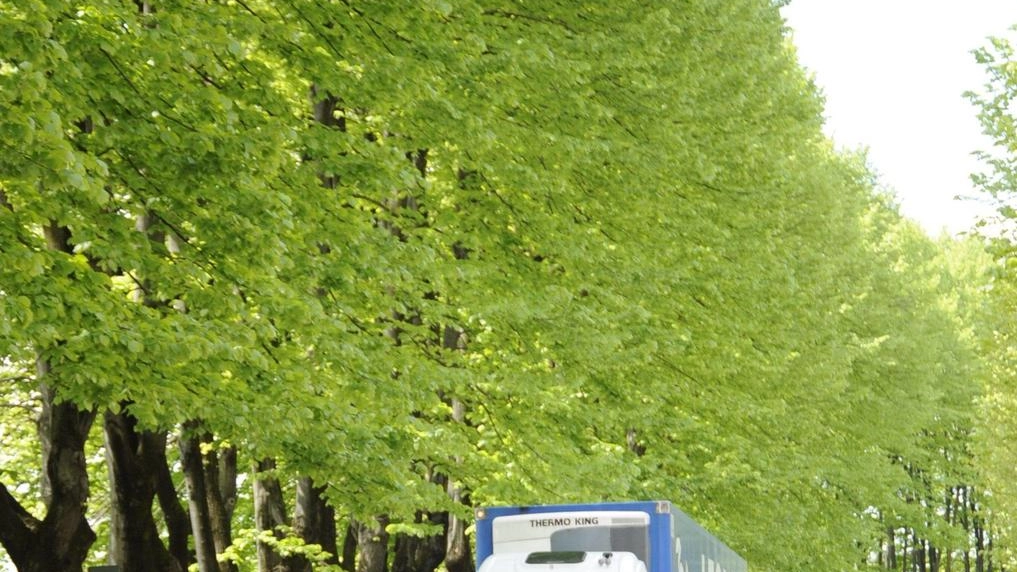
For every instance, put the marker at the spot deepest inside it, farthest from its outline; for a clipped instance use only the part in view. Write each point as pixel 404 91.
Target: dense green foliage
pixel 544 251
pixel 998 118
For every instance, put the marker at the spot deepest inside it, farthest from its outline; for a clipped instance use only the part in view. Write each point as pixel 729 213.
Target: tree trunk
pixel 458 556
pixel 314 519
pixel 178 523
pixel 218 473
pixel 372 540
pixel 420 553
pixel 920 555
pixel 209 522
pixel 349 558
pixel 988 548
pixel 201 524
pixel 977 529
pixel 228 486
pixel 60 541
pixel 133 458
pixel 903 550
pixel 270 514
pixel 891 549
pixel 979 547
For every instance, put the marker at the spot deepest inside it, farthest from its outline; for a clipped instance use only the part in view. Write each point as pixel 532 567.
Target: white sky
pixel 893 73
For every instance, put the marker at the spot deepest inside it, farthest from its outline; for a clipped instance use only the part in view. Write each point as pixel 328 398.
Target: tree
pixel 407 257
pixel 994 103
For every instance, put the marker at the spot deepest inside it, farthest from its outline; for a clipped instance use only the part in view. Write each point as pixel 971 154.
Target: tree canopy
pixel 404 258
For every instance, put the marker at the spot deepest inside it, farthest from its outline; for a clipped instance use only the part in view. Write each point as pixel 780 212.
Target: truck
pixel 637 536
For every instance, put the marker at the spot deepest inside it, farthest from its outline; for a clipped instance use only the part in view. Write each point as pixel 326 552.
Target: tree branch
pixel 17 526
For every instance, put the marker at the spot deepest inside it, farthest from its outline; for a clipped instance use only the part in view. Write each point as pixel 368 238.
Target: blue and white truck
pixel 642 536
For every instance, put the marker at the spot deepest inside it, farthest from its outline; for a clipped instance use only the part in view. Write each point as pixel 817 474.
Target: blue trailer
pixel 642 536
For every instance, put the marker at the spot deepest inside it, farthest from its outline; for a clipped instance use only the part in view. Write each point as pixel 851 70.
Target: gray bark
pixel 269 514
pixel 209 522
pixel 372 541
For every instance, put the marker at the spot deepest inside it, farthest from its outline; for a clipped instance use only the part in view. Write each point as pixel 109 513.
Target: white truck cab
pixel 564 561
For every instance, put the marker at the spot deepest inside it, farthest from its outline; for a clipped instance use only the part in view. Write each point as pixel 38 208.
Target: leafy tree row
pixel 997 116
pixel 293 284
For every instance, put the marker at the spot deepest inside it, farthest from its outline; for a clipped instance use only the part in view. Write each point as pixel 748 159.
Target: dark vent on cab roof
pixel 562 557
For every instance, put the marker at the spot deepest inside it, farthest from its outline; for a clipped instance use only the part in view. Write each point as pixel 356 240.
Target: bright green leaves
pixel 998 116
pixel 553 252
